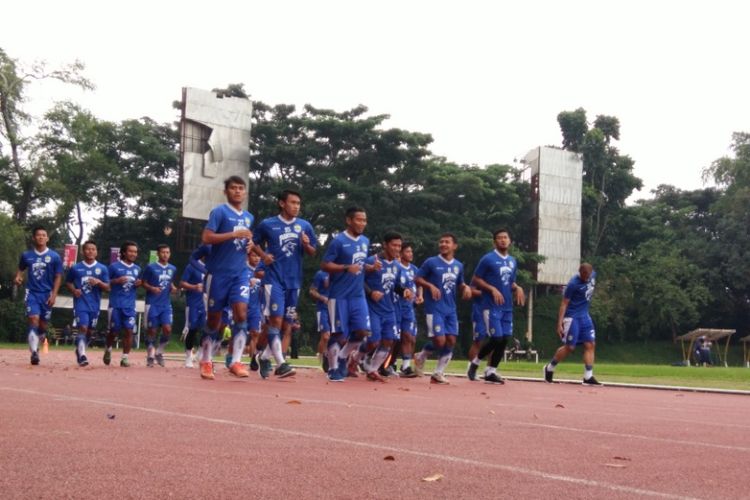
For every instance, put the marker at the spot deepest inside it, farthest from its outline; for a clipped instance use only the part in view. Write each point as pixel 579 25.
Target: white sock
pixel 109 349
pixel 349 347
pixel 333 356
pixel 275 346
pixel 238 347
pixel 489 370
pixel 476 360
pixel 81 347
pixel 150 351
pixel 588 373
pixel 160 349
pixel 405 363
pixel 188 354
pixel 377 359
pixel 33 341
pixel 207 347
pixel 443 362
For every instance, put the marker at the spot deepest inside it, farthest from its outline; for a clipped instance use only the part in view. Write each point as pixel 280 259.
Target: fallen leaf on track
pixel 404 389
pixel 623 458
pixel 294 402
pixel 432 478
pixel 389 458
pixel 536 417
pixel 559 405
pixel 111 416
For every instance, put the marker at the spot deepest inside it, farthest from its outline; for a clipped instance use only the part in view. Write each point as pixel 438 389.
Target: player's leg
pixel 501 330
pixel 239 299
pixel 165 318
pixel 570 337
pixel 33 310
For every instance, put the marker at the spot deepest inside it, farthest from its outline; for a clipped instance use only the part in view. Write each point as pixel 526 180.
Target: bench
pixel 520 354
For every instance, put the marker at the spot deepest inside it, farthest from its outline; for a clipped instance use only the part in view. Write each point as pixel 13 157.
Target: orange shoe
pixel 207 370
pixel 239 370
pixel 375 377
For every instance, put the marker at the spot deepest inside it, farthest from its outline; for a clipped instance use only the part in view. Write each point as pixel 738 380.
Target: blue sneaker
pixel 335 376
pixel 265 368
pixel 228 360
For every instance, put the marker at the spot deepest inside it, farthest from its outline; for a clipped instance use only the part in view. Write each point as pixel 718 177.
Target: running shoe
pixel 160 359
pixel 124 363
pixel 284 370
pixel 265 368
pixel 548 374
pixel 326 366
pixel 150 362
pixel 34 358
pixel 335 376
pixel 493 378
pixel 472 371
pixel 375 377
pixel 107 357
pixel 591 381
pixel 254 362
pixel 408 373
pixel 82 360
pixel 419 366
pixel 228 361
pixel 438 378
pixel 188 361
pixel 207 370
pixel 238 370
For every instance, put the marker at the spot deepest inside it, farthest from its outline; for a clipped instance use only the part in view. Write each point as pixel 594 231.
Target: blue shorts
pixel 324 323
pixel 86 319
pixel 227 316
pixel 499 323
pixel 158 316
pixel 478 325
pixel 383 327
pixel 280 301
pixel 439 325
pixel 407 320
pixel 578 330
pixel 120 318
pixel 349 315
pixel 36 305
pixel 254 318
pixel 196 317
pixel 223 290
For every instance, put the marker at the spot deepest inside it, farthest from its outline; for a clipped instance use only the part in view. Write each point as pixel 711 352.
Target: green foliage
pixel 12 321
pixel 12 243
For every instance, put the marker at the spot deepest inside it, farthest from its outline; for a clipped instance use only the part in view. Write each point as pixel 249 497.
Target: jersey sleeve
pixel 214 220
pixel 259 233
pixel 57 265
pixel 70 277
pixel 481 269
pixel 311 234
pixel 332 253
pixel 425 269
pixel 105 275
pixel 22 263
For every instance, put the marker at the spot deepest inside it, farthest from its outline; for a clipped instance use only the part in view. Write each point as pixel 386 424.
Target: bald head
pixel 585 270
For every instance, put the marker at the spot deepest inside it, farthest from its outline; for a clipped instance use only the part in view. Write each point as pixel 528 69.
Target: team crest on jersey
pixel 297 228
pixel 247 221
pixel 47 259
pixel 97 271
pixel 437 329
pixel 211 302
pixel 274 307
pixel 455 269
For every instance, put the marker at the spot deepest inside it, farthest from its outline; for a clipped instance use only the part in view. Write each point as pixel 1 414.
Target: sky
pixel 486 79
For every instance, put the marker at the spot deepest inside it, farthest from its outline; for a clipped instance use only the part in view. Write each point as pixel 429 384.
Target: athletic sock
pixel 163 340
pixel 405 362
pixel 81 344
pixel 275 344
pixel 33 339
pixel 588 371
pixel 446 353
pixel 377 359
pixel 238 346
pixel 551 366
pixel 498 352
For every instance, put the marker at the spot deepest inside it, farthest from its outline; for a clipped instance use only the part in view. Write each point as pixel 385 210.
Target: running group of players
pixel 249 281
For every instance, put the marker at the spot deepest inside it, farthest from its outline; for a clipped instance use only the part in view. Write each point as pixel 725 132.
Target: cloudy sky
pixel 486 79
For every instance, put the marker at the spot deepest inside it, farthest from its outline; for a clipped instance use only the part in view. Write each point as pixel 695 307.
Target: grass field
pixel 733 377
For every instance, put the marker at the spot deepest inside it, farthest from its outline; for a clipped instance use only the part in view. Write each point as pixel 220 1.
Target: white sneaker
pixel 189 362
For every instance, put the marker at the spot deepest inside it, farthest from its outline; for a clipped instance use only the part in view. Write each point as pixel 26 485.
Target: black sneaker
pixel 150 362
pixel 472 372
pixel 265 368
pixel 493 378
pixel 591 381
pixel 326 366
pixel 34 358
pixel 160 360
pixel 284 370
pixel 408 373
pixel 83 360
pixel 254 363
pixel 548 374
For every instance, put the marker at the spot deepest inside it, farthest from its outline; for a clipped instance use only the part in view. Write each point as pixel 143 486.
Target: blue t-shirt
pixel 91 296
pixel 347 250
pixel 43 268
pixel 253 300
pixel 230 256
pixel 579 293
pixel 500 272
pixel 122 295
pixel 448 276
pixel 406 278
pixel 156 274
pixel 283 240
pixel 202 251
pixel 193 276
pixel 322 283
pixel 384 281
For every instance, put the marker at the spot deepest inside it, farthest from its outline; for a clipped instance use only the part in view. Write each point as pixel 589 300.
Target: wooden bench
pixel 520 354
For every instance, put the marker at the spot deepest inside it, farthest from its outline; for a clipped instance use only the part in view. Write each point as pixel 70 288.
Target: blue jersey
pixel 579 293
pixel 254 283
pixel 322 283
pixel 43 268
pixel 91 296
pixel 499 271
pixel 202 251
pixel 230 256
pixel 162 276
pixel 283 240
pixel 447 276
pixel 347 250
pixel 122 295
pixel 193 276
pixel 406 274
pixel 383 281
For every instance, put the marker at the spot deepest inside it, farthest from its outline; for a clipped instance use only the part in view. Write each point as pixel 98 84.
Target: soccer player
pixel 281 242
pixel 495 275
pixel 344 261
pixel 124 278
pixel 195 304
pixel 407 317
pixel 158 280
pixel 380 286
pixel 442 276
pixel 254 308
pixel 86 280
pixel 43 282
pixel 319 293
pixel 574 325
pixel 228 233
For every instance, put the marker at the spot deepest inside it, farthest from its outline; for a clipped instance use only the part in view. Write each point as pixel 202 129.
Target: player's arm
pixel 307 245
pixel 497 297
pixel 519 294
pixel 434 291
pixel 211 238
pixel 316 295
pixel 197 287
pixel 561 315
pixel 103 282
pixel 55 288
pixel 70 285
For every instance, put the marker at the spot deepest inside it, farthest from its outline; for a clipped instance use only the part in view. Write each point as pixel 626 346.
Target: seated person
pixel 702 351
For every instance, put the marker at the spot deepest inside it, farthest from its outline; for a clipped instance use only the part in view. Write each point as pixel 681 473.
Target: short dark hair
pixel 36 228
pixel 392 235
pixel 234 179
pixel 161 246
pixel 285 194
pixel 125 245
pixel 353 210
pixel 88 242
pixel 500 230
pixel 407 244
pixel 449 235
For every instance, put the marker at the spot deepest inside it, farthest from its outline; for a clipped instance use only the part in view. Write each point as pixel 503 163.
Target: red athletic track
pixel 173 434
